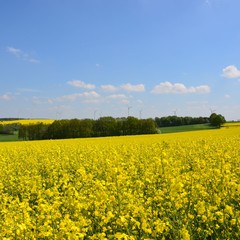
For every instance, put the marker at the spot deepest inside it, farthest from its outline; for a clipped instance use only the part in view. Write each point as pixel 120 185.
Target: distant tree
pixel 131 126
pixel 216 120
pixel 85 128
pixel 148 126
pixel 73 126
pixel 105 126
pixel 58 129
pixel 179 121
pixel 187 120
pixel 8 129
pixel 22 132
pixel 35 131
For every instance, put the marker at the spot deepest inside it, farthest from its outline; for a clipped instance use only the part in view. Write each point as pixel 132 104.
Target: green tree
pixel 58 129
pixel 22 132
pixel 105 126
pixel 85 128
pixel 216 120
pixel 131 126
pixel 148 126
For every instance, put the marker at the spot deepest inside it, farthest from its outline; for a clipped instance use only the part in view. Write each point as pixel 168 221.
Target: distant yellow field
pixel 231 124
pixel 28 121
pixel 165 186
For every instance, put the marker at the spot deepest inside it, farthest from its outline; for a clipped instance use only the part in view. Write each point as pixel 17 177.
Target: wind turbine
pixel 140 114
pixel 129 107
pixel 58 113
pixel 94 114
pixel 212 110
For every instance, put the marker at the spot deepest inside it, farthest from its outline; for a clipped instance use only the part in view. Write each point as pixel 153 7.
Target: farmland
pixel 9 137
pixel 164 186
pixel 28 121
pixel 186 128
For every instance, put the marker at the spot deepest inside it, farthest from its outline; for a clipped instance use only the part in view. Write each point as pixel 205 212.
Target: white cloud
pixel 90 94
pixel 6 97
pixel 22 55
pixel 109 88
pixel 125 101
pixel 202 89
pixel 92 100
pixel 167 87
pixel 81 84
pixel 133 88
pixel 227 96
pixel 15 51
pixel 127 87
pixel 231 72
pixel 69 97
pixel 122 98
pixel 50 101
pixel 117 96
pixel 139 101
pixel 74 96
pixel 33 60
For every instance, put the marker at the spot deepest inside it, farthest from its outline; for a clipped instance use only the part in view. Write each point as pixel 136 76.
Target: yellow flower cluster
pixel 175 186
pixel 27 121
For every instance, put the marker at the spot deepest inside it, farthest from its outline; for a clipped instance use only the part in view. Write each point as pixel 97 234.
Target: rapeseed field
pixel 27 121
pixel 172 186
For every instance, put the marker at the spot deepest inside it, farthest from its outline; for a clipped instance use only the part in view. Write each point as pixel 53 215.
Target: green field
pixel 186 128
pixel 9 137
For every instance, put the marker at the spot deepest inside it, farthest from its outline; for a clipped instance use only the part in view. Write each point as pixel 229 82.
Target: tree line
pixel 215 120
pixel 8 129
pixel 104 126
pixel 170 121
pixel 83 128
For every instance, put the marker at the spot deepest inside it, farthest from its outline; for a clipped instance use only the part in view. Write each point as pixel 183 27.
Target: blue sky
pixel 145 58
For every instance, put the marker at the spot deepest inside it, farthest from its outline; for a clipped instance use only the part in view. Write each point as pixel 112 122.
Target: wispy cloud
pixel 32 60
pixel 117 96
pixel 74 96
pixel 109 88
pixel 6 97
pixel 168 87
pixel 92 95
pixel 122 98
pixel 231 71
pixel 81 84
pixel 133 88
pixel 21 55
pixel 14 51
pixel 125 101
pixel 126 87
